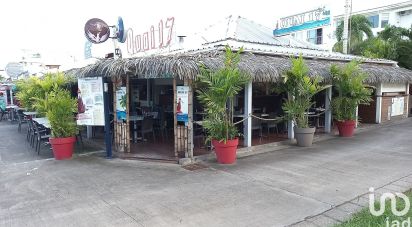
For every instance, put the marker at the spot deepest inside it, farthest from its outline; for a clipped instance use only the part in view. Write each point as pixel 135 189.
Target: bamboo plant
pixel 348 82
pixel 217 91
pixel 300 88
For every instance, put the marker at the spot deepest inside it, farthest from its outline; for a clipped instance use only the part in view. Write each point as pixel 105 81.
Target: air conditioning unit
pixel 405 12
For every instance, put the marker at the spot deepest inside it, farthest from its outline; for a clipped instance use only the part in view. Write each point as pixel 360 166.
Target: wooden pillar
pixel 127 115
pixel 188 82
pixel 378 117
pixel 174 116
pixel 115 129
pixel 247 124
pixel 328 110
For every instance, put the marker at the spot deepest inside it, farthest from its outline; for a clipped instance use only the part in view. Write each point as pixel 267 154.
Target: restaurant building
pixel 158 90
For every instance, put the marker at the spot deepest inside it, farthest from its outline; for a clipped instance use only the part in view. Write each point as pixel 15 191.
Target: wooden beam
pixel 174 116
pixel 189 83
pixel 127 115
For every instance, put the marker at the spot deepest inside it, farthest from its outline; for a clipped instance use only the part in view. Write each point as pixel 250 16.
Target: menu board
pixel 182 100
pixel 90 104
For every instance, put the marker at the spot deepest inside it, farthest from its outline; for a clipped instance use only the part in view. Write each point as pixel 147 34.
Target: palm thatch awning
pixel 262 67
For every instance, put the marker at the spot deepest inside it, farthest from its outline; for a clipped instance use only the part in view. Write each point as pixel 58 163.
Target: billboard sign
pixel 308 20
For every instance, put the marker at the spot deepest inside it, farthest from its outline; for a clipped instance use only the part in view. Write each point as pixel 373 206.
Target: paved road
pixel 272 189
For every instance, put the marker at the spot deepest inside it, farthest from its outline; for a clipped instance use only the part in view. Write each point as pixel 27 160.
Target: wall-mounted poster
pixel 398 105
pixel 121 103
pixel 182 100
pixel 90 105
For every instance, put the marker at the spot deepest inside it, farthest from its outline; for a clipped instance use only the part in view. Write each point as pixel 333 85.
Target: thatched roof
pixel 262 67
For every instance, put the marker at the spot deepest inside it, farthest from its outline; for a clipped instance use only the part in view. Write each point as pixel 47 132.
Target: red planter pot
pixel 62 147
pixel 225 152
pixel 346 128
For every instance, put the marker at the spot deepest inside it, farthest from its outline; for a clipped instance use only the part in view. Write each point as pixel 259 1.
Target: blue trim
pixel 303 26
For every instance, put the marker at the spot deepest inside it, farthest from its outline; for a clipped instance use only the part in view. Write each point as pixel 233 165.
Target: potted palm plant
pixel 348 82
pixel 60 107
pixel 217 91
pixel 300 88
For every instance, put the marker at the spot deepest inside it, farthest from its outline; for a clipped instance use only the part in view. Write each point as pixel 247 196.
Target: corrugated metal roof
pixel 241 29
pixel 237 32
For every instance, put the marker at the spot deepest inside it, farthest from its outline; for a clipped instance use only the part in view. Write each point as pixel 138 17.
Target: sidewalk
pixel 293 186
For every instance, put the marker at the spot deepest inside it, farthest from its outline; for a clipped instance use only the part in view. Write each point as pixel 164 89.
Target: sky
pixel 55 28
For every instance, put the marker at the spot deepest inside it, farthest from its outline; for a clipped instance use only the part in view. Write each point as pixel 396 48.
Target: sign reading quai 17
pixel 303 21
pixel 156 37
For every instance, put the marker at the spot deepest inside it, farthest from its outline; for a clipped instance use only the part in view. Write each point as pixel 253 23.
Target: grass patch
pixel 365 219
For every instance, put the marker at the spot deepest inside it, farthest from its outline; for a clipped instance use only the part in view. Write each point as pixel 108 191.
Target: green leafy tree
pixel 34 88
pixel 217 89
pixel 359 26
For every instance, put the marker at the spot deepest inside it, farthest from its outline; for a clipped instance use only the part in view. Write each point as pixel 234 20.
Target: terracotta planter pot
pixel 62 147
pixel 304 136
pixel 226 152
pixel 346 128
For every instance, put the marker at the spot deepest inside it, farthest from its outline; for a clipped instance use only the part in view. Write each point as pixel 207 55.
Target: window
pixel 374 20
pixel 384 19
pixel 315 36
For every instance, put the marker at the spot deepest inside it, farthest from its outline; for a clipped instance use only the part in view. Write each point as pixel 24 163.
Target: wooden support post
pixel 127 115
pixel 190 119
pixel 115 130
pixel 174 116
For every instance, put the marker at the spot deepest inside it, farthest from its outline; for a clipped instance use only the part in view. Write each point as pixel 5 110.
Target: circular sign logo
pixel 96 30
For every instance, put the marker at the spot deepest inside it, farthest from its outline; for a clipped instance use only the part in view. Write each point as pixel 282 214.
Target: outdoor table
pixel 135 119
pixel 12 108
pixel 30 114
pixel 198 123
pixel 42 121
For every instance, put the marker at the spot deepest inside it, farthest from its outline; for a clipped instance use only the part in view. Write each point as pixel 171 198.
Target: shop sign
pixel 182 100
pixel 90 104
pixel 157 37
pixel 96 30
pixel 121 103
pixel 308 20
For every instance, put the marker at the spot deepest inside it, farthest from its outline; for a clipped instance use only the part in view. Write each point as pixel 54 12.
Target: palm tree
pixel 359 25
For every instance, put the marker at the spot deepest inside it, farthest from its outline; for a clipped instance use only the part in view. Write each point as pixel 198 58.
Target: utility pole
pixel 348 9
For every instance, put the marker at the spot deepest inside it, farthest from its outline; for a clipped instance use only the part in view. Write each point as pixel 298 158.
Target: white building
pixel 399 14
pixel 317 27
pixel 313 26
